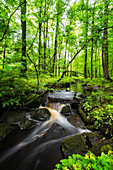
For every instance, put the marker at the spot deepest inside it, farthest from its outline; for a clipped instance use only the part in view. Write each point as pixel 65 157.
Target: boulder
pixel 76 121
pixel 74 145
pixel 102 146
pixel 5 129
pixel 65 110
pixel 42 114
pixel 26 123
pixel 79 144
pixel 83 115
pixel 91 138
pixel 13 117
pixel 18 118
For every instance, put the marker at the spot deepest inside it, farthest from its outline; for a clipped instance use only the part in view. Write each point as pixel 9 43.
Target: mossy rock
pixel 5 129
pixel 13 117
pixel 66 110
pixel 83 115
pixel 97 148
pixel 91 138
pixel 74 145
pixel 25 123
pixel 41 114
pixel 91 127
pixel 76 121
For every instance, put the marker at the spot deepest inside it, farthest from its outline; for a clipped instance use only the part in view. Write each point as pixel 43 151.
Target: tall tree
pixel 86 34
pixel 105 42
pixel 23 25
pixel 40 33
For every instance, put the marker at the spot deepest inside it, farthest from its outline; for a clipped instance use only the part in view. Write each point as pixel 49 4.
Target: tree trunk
pixel 45 37
pixel 23 25
pixel 55 46
pixel 86 27
pixel 96 61
pixel 39 48
pixel 92 60
pixel 99 62
pixel 105 43
pixel 4 57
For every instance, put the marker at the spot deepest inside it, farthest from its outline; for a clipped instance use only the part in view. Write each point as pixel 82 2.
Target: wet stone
pixel 66 110
pixel 5 129
pixel 41 114
pixel 74 145
pixel 76 121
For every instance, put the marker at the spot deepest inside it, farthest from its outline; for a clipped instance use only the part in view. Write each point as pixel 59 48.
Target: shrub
pixel 87 162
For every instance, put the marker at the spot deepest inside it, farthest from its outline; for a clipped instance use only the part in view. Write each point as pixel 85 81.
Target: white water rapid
pixel 39 133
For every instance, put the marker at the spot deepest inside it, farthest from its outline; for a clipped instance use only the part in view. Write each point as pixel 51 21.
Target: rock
pixel 102 146
pixel 91 138
pixel 65 110
pixel 18 118
pixel 13 117
pixel 27 123
pixel 79 144
pixel 41 114
pixel 74 145
pixel 83 115
pixel 56 131
pixel 76 121
pixel 5 129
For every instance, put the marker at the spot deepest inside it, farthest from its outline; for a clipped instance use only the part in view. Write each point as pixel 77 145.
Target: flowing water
pixel 40 148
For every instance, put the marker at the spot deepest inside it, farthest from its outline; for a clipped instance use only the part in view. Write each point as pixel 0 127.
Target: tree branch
pixel 10 19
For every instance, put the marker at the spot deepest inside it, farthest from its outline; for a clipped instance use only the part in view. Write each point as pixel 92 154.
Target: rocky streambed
pixel 51 138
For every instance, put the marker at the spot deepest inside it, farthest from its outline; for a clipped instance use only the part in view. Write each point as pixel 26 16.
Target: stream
pixel 39 148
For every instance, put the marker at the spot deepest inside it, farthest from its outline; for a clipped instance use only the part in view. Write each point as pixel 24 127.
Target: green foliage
pixel 99 109
pixel 13 88
pixel 87 162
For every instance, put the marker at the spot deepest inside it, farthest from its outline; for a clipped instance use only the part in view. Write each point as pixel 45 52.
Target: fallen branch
pixel 10 19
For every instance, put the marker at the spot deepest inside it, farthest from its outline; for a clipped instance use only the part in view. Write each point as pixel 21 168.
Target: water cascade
pixel 40 149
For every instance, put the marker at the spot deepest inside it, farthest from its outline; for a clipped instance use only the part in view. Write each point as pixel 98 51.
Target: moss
pixel 74 144
pixel 97 148
pixel 83 115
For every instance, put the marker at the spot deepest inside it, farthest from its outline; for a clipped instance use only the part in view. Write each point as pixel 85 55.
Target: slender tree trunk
pixel 105 44
pixel 96 61
pixel 45 37
pixel 103 62
pixel 4 57
pixel 92 60
pixel 40 32
pixel 23 24
pixel 85 63
pixel 55 46
pixel 99 62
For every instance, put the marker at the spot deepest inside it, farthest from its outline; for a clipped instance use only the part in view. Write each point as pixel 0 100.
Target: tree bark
pixel 40 32
pixel 55 46
pixel 4 55
pixel 23 25
pixel 86 27
pixel 105 43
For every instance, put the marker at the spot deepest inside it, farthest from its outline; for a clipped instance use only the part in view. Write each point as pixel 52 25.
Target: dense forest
pixel 44 43
pixel 54 38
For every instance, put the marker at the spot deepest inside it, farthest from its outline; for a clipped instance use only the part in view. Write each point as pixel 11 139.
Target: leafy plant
pixel 87 162
pixel 99 110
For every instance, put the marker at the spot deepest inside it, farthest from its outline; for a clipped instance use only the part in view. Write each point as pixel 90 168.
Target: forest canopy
pixel 53 38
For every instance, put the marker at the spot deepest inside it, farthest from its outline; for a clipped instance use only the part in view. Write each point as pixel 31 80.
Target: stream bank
pixel 55 139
